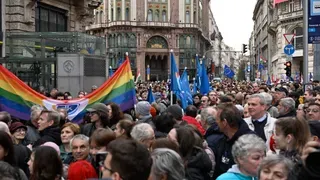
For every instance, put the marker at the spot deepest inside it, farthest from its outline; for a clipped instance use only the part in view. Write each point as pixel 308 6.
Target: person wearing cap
pixel 94 87
pixel 280 93
pixel 98 113
pixel 18 131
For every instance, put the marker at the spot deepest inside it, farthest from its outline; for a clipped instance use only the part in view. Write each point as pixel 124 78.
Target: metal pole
pixel 305 40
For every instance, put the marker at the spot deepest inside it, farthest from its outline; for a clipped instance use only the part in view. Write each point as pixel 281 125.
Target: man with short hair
pixel 308 94
pixel 213 98
pixel 204 101
pixel 143 133
pixel 127 159
pixel 286 108
pixel 189 117
pixel 48 126
pixel 280 92
pixel 260 121
pixel 232 126
pixel 80 147
pixel 5 117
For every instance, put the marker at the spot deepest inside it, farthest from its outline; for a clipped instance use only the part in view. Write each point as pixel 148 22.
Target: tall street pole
pixel 305 40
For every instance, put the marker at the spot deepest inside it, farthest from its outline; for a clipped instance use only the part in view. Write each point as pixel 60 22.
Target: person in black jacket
pixel 49 128
pixel 232 126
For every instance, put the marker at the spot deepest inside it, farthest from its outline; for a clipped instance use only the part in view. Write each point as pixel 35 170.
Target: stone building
pixel 149 29
pixel 34 32
pixel 271 23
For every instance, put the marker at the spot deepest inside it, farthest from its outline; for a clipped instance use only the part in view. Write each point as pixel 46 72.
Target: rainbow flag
pixel 17 98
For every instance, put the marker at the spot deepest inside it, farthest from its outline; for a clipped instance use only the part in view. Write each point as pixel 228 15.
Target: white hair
pixel 141 132
pixel 4 127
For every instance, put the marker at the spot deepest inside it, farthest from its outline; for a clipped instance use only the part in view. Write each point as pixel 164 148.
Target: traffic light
pixel 288 68
pixel 244 48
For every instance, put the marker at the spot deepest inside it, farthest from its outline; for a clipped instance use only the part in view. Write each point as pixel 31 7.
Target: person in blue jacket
pixel 248 152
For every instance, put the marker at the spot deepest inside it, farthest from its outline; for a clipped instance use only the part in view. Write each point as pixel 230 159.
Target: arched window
pixel 101 17
pixel 164 15
pixel 127 14
pixel 119 40
pixel 150 18
pixel 97 17
pixel 118 13
pixel 125 40
pixel 156 15
pixel 187 17
pixel 188 41
pixel 112 18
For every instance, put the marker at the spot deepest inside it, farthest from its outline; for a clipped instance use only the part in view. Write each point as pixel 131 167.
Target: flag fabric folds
pixel 150 97
pixel 17 98
pixel 278 1
pixel 310 76
pixel 175 85
pixel 228 72
pixel 204 87
pixel 138 77
pixel 186 87
pixel 199 72
pixel 269 81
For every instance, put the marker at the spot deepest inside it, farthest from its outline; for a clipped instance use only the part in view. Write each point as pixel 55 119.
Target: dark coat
pixel 198 165
pixel 21 155
pixel 222 149
pixel 50 134
pixel 88 129
pixel 213 135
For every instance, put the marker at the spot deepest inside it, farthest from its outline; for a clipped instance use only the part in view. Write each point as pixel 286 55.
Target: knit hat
pixel 53 145
pixel 16 125
pixel 143 108
pixel 176 111
pixel 81 170
pixel 98 107
pixel 153 111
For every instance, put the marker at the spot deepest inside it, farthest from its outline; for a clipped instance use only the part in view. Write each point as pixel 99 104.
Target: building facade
pixel 149 29
pixel 283 18
pixel 34 32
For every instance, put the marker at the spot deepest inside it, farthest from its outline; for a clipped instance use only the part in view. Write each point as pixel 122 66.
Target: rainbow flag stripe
pixel 17 98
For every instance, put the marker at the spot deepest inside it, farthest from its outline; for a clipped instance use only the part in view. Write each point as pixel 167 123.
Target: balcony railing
pixel 291 15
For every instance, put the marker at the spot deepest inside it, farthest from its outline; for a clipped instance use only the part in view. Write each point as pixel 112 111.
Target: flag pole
pixel 171 94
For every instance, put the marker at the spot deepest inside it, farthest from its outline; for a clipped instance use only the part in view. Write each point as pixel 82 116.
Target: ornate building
pixel 271 23
pixel 149 29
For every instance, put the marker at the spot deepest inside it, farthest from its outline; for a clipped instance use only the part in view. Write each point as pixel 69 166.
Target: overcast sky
pixel 234 19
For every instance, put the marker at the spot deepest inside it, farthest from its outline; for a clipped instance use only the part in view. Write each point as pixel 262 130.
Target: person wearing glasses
pixel 126 159
pixel 98 114
pixel 313 112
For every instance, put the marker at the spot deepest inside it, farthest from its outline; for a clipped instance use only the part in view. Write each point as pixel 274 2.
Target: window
pixel 150 15
pixel 164 15
pixel 195 17
pixel 125 40
pixel 291 5
pixel 119 40
pixel 112 18
pixel 187 1
pixel 101 17
pixel 188 41
pixel 48 18
pixel 187 17
pixel 118 13
pixel 298 39
pixel 97 17
pixel 156 15
pixel 127 14
pixel 163 1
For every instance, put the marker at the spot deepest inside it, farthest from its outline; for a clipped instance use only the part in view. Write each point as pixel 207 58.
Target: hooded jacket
pixel 198 165
pixel 49 134
pixel 222 149
pixel 234 174
pixel 213 135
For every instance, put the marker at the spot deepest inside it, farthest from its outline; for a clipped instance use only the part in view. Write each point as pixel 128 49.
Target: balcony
pixel 143 24
pixel 291 16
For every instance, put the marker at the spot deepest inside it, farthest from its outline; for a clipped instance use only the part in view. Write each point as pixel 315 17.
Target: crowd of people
pixel 237 131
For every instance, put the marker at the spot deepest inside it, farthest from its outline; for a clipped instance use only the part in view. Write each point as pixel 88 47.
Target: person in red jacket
pixel 189 117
